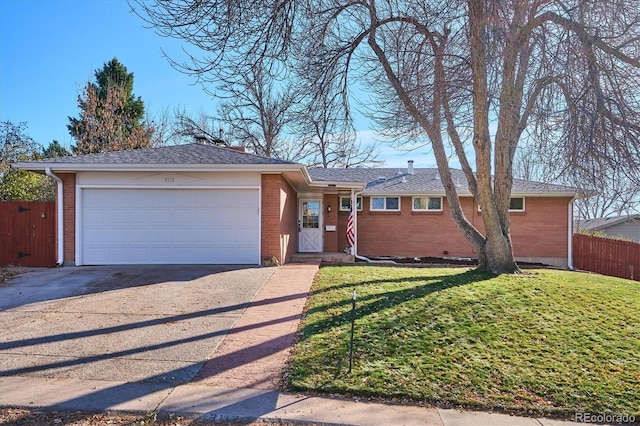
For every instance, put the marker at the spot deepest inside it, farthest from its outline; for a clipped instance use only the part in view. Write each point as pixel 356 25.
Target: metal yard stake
pixel 353 323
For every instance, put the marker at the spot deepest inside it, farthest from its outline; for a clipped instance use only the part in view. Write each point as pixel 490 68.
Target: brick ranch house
pixel 203 204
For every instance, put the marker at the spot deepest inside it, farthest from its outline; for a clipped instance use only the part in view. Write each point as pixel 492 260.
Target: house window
pixel 385 203
pixel 516 204
pixel 427 204
pixel 345 203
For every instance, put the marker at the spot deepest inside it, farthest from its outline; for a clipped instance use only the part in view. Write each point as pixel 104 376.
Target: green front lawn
pixel 547 342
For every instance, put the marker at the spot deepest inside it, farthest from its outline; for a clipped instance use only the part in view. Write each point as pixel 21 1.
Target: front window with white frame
pixel 345 204
pixel 427 204
pixel 385 204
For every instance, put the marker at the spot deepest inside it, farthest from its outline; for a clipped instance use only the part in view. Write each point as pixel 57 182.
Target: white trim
pixel 111 186
pixel 466 194
pixel 385 203
pixel 260 228
pixel 60 213
pixel 413 209
pixel 89 167
pixel 310 195
pixel 78 233
pixel 337 185
pixel 570 234
pixel 320 229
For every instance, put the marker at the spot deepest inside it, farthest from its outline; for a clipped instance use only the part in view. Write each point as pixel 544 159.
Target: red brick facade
pixel 332 239
pixel 288 221
pixel 538 234
pixel 69 213
pixel 279 211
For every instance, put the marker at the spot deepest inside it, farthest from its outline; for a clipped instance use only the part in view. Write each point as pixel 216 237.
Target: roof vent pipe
pixel 410 167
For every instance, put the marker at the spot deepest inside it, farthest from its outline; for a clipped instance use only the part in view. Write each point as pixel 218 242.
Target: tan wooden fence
pixel 606 256
pixel 27 233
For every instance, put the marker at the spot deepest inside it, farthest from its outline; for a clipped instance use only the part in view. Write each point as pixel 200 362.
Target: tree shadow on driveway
pixel 50 284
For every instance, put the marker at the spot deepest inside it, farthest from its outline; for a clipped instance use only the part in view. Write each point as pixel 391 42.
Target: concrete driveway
pixel 155 324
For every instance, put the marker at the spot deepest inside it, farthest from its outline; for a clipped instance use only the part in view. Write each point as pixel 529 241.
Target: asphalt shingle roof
pixel 398 181
pixel 605 222
pixel 194 153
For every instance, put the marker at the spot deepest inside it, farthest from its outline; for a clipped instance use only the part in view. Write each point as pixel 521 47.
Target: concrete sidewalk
pixel 241 379
pixel 223 403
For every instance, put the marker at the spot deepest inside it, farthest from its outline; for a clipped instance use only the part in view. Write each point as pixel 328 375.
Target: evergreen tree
pixel 55 150
pixel 110 114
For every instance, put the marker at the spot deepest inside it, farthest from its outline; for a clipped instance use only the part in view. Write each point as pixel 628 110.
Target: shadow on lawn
pixel 377 302
pixel 466 277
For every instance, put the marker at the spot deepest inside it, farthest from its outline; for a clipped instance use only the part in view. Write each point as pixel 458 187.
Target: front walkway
pixel 257 347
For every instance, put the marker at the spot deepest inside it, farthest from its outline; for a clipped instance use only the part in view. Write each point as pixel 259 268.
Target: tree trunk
pixel 496 255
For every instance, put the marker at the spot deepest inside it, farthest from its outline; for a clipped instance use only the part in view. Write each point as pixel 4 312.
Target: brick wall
pixel 331 238
pixel 279 219
pixel 288 221
pixel 270 217
pixel 69 213
pixel 539 232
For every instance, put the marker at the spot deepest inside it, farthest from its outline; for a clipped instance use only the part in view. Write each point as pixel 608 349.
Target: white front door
pixel 310 226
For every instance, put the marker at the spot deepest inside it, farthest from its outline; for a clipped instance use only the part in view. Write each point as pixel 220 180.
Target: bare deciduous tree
pixel 563 71
pixel 613 191
pixel 256 112
pixel 329 136
pixel 200 127
pixel 15 184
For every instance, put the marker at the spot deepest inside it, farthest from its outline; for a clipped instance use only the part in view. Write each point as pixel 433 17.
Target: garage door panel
pixel 124 226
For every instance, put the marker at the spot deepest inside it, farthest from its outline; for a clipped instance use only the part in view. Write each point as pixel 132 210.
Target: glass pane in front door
pixel 310 214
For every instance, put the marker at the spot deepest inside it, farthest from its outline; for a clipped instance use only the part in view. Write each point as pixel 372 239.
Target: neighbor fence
pixel 606 256
pixel 27 233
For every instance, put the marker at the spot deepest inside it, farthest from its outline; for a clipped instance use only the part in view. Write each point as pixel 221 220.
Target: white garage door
pixel 169 226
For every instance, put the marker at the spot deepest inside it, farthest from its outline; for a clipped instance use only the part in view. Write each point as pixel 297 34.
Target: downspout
pixel 570 235
pixel 354 249
pixel 60 218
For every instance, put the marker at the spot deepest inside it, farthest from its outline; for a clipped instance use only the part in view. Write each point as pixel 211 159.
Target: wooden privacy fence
pixel 27 233
pixel 606 256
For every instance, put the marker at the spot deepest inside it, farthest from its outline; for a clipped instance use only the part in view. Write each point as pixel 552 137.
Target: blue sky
pixel 49 49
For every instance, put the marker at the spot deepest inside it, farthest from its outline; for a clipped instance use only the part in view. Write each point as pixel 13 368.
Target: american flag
pixel 351 235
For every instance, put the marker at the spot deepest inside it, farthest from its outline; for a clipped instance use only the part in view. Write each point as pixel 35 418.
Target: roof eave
pixel 563 194
pixel 338 185
pixel 465 193
pixel 75 167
